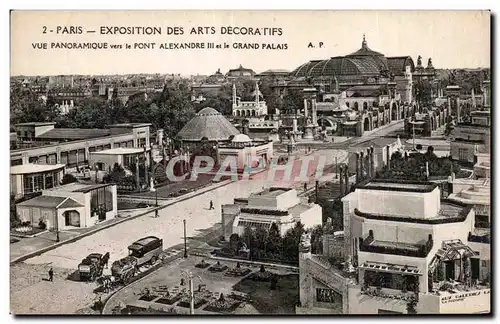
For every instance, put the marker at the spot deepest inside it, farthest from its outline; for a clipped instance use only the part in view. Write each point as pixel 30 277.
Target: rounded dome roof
pixel 241 138
pixel 362 62
pixel 208 123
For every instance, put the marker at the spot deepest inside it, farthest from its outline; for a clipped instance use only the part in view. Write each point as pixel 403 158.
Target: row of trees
pixel 413 166
pixel 170 109
pixel 269 244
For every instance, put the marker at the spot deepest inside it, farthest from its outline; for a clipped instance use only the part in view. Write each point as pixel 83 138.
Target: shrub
pixel 68 178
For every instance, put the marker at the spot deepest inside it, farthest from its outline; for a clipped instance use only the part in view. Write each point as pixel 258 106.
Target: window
pixel 463 154
pixel 101 199
pixel 327 295
pixel 389 280
pixel 484 263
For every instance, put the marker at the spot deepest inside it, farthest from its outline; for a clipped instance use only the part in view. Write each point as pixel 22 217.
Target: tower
pixel 257 94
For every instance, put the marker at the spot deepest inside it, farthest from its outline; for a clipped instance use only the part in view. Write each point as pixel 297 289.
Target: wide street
pixel 66 296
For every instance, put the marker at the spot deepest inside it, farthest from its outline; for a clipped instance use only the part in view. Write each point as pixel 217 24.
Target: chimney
pixel 388 156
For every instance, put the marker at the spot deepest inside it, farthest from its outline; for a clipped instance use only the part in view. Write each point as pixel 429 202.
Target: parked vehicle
pixel 91 267
pixel 124 269
pixel 146 250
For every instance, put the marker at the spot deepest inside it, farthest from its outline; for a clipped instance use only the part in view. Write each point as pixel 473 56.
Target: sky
pixel 453 39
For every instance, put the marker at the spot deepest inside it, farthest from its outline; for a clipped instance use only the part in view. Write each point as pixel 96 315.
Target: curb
pixel 78 237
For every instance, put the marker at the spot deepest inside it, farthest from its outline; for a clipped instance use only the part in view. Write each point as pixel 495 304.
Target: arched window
pixel 253 113
pixel 365 105
pixel 356 106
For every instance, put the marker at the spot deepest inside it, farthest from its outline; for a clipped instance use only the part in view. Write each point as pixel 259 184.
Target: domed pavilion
pixel 208 124
pixel 209 133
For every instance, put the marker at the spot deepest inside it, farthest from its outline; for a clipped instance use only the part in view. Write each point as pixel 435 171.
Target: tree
pixel 291 242
pixel 68 178
pixel 317 239
pixel 274 240
pixel 293 101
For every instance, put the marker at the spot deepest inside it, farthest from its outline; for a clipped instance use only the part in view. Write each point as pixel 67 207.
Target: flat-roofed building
pixel 276 205
pixel 74 205
pixel 124 156
pixel 72 147
pixel 28 179
pixel 413 251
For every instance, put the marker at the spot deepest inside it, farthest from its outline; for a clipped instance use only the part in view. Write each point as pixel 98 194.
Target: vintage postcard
pixel 250 162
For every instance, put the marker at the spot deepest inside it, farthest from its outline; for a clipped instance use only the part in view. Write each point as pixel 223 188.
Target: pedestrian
pixel 211 205
pixel 51 274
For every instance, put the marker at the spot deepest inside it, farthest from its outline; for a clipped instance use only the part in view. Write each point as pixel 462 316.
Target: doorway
pixel 72 218
pixel 449 270
pixel 474 267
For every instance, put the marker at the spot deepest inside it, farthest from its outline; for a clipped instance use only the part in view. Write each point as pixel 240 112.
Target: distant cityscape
pixel 359 184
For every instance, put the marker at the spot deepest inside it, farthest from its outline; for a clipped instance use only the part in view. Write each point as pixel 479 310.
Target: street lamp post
pixel 57 229
pixel 336 169
pixel 185 240
pixel 156 201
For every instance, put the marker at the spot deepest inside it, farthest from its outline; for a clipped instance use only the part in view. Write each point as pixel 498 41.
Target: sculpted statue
pixel 419 60
pixel 429 62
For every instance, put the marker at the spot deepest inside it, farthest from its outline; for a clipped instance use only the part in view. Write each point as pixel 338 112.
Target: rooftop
pixel 129 125
pixel 450 211
pixel 74 133
pixel 36 124
pixel 210 124
pixel 77 187
pixel 120 151
pixel 395 185
pixel 272 192
pixel 51 202
pixel 35 168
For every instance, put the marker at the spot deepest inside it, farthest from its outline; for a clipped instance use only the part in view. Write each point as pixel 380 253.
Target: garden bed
pixel 218 267
pixel 170 300
pixel 148 297
pixel 228 305
pixel 202 265
pixel 27 231
pixel 237 272
pixel 198 302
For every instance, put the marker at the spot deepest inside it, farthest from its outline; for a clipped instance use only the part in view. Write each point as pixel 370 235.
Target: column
pixel 346 175
pixel 305 108
pixel 357 168
pixel 368 164
pixel 388 156
pixel 342 188
pixel 459 117
pixel 314 114
pixel 361 162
